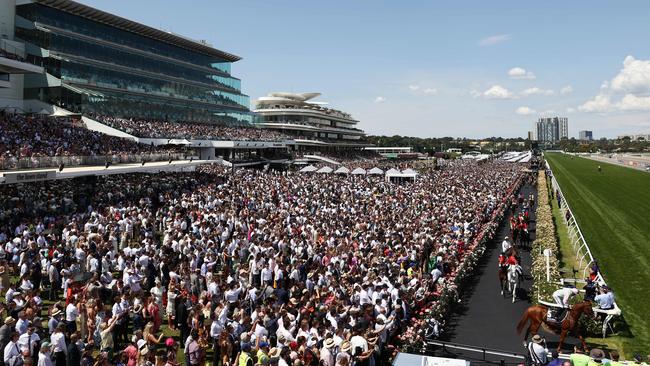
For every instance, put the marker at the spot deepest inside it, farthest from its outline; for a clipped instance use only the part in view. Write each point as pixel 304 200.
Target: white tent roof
pixel 359 171
pixel 308 169
pixel 375 170
pixel 342 170
pixel 325 169
pixel 392 171
pixel 409 171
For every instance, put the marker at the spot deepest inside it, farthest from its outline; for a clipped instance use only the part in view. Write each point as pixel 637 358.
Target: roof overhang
pixel 11 66
pixel 115 21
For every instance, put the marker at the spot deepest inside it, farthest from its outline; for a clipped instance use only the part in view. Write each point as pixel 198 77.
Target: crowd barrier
pixel 582 252
pixel 68 161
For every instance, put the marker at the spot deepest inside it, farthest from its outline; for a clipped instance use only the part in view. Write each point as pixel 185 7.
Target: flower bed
pixel 544 239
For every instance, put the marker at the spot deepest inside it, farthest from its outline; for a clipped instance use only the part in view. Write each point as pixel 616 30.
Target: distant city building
pixel 637 137
pixel 552 129
pixel 586 135
pixel 531 135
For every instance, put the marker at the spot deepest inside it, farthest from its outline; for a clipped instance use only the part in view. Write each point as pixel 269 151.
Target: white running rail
pixel 581 249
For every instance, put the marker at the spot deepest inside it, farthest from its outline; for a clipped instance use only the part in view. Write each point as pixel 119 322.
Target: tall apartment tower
pixel 552 129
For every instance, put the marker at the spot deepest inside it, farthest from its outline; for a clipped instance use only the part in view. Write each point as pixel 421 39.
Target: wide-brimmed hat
pixel 346 346
pixel 142 347
pixel 537 339
pixel 597 354
pixel 294 301
pixel 274 352
pixel 9 320
pixel 329 343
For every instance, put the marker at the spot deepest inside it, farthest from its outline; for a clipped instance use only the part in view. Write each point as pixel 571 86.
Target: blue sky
pixel 433 68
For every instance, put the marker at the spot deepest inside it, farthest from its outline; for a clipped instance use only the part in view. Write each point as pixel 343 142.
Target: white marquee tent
pixel 308 169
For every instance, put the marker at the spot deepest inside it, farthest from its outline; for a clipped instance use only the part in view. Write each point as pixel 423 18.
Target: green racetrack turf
pixel 612 209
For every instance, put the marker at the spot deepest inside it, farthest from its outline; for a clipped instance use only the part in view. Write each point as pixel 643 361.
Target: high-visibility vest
pixel 243 359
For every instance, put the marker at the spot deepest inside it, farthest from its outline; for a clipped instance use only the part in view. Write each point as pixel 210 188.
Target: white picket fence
pixel 581 250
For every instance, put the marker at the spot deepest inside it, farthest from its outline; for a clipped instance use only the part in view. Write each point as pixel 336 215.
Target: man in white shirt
pixel 71 314
pixel 538 353
pixel 12 351
pixel 29 340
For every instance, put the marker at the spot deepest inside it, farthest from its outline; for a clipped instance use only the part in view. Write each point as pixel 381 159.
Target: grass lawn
pixel 612 209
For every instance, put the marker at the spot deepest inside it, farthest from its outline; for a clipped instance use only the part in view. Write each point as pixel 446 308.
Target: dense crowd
pixel 190 130
pixel 34 136
pixel 237 268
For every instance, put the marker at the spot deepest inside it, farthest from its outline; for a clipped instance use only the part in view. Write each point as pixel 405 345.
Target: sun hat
pixel 346 346
pixel 597 354
pixel 169 342
pixel 537 339
pixel 9 320
pixel 329 343
pixel 274 352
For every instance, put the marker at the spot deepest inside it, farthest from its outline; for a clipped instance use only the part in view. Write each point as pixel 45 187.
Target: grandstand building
pixel 97 63
pixel 313 126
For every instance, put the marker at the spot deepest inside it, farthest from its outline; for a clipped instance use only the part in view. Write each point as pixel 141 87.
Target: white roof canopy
pixel 342 170
pixel 392 171
pixel 359 171
pixel 325 170
pixel 375 170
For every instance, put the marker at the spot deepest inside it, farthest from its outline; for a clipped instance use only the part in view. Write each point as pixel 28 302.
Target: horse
pixel 503 277
pixel 537 315
pixel 514 274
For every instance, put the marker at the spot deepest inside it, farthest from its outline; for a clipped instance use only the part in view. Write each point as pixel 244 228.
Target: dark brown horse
pixel 537 315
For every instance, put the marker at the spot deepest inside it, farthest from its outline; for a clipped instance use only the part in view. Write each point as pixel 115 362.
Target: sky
pixel 433 68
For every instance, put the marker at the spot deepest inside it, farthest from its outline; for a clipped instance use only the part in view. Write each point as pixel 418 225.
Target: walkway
pixel 484 318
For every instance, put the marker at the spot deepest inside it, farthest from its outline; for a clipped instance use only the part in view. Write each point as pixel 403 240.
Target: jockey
pixel 503 260
pixel 562 297
pixel 505 245
pixel 512 260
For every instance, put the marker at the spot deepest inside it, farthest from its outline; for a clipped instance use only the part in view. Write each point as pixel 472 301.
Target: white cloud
pixel 475 93
pixel 524 111
pixel 633 78
pixel 498 92
pixel 600 103
pixel 537 91
pixel 380 100
pixel 416 89
pixel 566 90
pixel 492 40
pixel 520 73
pixel 631 102
pixel 629 90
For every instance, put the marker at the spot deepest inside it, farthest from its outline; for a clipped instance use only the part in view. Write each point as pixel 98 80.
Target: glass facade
pixel 130 75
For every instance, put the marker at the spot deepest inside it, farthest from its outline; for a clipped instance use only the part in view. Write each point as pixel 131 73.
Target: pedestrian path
pixel 485 318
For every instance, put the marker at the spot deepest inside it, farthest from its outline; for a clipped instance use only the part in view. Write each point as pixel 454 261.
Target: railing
pixel 55 161
pixel 581 249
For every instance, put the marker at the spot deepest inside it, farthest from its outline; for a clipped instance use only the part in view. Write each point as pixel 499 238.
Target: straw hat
pixel 329 343
pixel 537 339
pixel 346 346
pixel 9 320
pixel 274 352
